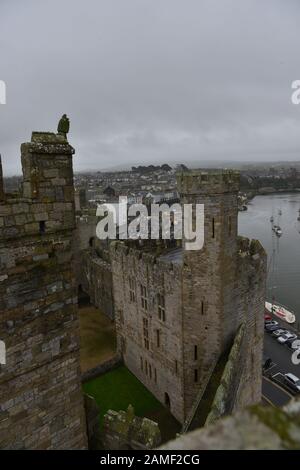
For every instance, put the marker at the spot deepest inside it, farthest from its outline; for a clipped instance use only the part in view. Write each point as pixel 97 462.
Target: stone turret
pixel 47 168
pixel 209 274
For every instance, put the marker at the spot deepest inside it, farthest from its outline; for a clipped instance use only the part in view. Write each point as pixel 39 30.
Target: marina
pixel 275 221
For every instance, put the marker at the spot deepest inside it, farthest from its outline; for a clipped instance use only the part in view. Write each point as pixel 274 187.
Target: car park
pixel 292 381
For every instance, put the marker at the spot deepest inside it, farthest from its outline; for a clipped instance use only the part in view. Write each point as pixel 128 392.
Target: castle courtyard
pixel 97 337
pixel 119 388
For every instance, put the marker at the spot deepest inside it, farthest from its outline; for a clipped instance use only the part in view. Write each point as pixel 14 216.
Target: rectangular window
pixel 195 375
pixel 155 376
pixel 161 307
pixel 213 227
pixel 142 367
pixel 158 338
pixel 202 308
pixel 146 333
pixel 144 297
pixel 146 367
pixel 150 371
pixel 195 353
pixel 132 294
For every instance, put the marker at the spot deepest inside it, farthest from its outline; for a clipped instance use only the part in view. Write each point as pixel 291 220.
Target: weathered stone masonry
pixel 207 295
pixel 41 403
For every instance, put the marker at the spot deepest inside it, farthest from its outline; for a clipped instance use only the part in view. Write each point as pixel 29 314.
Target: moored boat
pixel 281 312
pixel 277 230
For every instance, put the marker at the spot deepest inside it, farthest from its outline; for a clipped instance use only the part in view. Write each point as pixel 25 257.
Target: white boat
pixel 280 312
pixel 277 230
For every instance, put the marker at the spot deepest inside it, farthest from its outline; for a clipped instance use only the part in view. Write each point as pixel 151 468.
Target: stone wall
pixel 251 275
pixel 41 403
pixel 96 281
pixel 92 265
pixel 226 394
pixel 102 368
pixel 125 431
pixel 159 368
pixel 257 428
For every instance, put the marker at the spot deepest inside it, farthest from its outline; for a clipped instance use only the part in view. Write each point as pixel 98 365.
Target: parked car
pixel 283 338
pixel 268 318
pixel 279 332
pixel 274 325
pixel 292 381
pixel 290 343
pixel 271 322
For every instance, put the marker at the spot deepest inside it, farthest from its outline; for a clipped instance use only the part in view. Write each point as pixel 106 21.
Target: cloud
pixel 146 81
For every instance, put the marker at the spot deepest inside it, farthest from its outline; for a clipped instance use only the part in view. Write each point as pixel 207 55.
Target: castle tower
pixel 41 402
pixel 210 318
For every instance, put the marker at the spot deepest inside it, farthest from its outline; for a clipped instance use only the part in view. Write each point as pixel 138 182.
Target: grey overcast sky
pixel 145 81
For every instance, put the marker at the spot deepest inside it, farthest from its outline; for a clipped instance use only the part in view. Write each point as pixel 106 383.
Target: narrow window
pixel 161 307
pixel 158 338
pixel 144 297
pixel 142 367
pixel 42 227
pixel 155 376
pixel 195 353
pixel 195 375
pixel 132 295
pixel 202 308
pixel 229 225
pixel 150 371
pixel 213 227
pixel 146 333
pixel 146 367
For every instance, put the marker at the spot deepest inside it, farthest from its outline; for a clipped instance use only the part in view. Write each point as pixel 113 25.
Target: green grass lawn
pixel 119 388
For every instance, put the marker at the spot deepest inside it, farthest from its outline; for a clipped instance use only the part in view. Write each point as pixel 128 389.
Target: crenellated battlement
pixel 208 182
pixel 120 250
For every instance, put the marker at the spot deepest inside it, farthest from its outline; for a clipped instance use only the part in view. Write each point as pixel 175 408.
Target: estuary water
pixel 284 252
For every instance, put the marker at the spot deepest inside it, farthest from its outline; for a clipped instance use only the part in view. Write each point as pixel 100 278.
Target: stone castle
pixel 41 402
pixel 189 323
pixel 186 320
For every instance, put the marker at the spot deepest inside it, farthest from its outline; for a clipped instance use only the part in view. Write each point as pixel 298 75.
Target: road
pixel 273 394
pixel 282 357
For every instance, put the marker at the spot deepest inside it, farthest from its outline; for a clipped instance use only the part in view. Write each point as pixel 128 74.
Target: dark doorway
pixel 83 297
pixel 167 401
